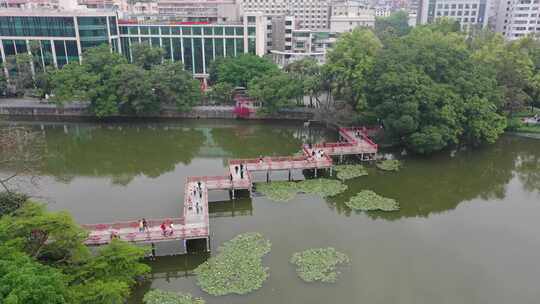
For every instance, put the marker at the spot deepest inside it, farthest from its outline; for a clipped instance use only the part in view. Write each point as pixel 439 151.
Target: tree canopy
pixel 113 86
pixel 43 260
pixel 240 70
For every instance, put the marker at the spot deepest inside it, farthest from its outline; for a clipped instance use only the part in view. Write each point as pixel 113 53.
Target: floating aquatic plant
pixel 285 191
pixel 237 269
pixel 318 264
pixel 345 172
pixel 157 296
pixel 322 186
pixel 278 191
pixel 367 200
pixel 389 165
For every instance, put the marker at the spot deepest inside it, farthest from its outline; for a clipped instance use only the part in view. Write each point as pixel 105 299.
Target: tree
pixel 240 70
pixel 11 201
pixel 429 93
pixel 275 91
pixel 146 56
pixel 512 67
pixel 3 83
pixel 113 86
pixel 21 153
pixel 25 281
pixel 349 63
pixel 43 235
pixel 172 85
pixel 221 92
pixel 395 25
pixel 156 296
pixel 134 90
pixel 309 72
pixel 20 72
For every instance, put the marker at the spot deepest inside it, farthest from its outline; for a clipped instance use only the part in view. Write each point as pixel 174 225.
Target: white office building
pixel 471 14
pixel 309 14
pixel 347 15
pixel 518 18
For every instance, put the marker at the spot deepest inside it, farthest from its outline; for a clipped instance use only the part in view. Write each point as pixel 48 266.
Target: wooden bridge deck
pixel 194 223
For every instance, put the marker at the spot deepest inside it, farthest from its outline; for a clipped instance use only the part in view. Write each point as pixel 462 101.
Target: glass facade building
pixel 59 39
pixel 55 38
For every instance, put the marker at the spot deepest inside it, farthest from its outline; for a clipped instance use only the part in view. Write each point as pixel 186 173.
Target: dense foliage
pixel 318 264
pixel 11 201
pixel 238 268
pixel 239 71
pixel 285 191
pixel 345 172
pixel 113 86
pixel 43 260
pixel 157 296
pixel 367 200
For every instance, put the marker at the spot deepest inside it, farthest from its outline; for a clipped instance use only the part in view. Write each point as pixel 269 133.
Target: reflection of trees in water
pixel 120 151
pixel 168 268
pixel 248 141
pixel 440 183
pixel 528 167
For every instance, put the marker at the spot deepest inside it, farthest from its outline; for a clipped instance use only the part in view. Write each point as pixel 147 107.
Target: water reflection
pixel 440 183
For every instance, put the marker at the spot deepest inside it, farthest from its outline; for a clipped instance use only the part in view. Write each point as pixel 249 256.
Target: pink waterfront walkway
pixel 194 222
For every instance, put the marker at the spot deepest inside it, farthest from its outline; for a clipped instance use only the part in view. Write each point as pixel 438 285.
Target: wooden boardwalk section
pixel 194 222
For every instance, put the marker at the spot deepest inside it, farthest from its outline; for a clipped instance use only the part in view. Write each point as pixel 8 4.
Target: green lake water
pixel 467 232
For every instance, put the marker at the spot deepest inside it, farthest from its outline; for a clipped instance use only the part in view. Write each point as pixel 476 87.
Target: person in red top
pixel 163 228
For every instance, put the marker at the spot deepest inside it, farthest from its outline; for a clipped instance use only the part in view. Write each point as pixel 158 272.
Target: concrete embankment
pixel 22 108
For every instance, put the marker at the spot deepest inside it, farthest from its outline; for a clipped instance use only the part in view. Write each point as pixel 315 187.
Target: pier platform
pixel 194 222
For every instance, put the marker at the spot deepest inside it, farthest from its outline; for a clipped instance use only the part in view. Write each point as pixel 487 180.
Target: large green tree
pixel 172 85
pixel 395 25
pixel 240 70
pixel 113 86
pixel 276 91
pixel 429 93
pixel 350 62
pixel 43 260
pixel 309 73
pixel 146 56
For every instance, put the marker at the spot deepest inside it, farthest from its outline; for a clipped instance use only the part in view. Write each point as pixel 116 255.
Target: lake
pixel 467 232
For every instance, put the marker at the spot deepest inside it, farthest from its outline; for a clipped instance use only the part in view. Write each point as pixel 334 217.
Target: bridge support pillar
pixel 315 172
pixel 330 171
pixel 208 244
pixel 290 175
pixel 267 176
pixel 341 158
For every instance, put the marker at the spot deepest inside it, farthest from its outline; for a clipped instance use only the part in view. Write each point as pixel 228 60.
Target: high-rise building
pixel 517 18
pixel 60 37
pixel 471 14
pixel 310 14
pixel 347 15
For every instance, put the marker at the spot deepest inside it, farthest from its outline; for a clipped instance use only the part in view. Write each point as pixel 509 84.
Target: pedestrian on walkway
pixel 241 167
pixel 163 229
pixel 200 185
pixel 236 169
pixel 242 174
pixel 141 226
pixel 171 228
pixel 145 225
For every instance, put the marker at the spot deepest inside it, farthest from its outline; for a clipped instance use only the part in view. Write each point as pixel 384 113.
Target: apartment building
pixel 517 18
pixel 310 14
pixel 471 14
pixel 347 15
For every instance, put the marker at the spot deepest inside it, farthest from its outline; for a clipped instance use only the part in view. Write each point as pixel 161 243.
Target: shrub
pixel 11 201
